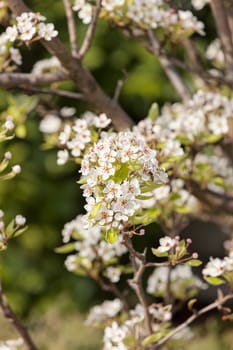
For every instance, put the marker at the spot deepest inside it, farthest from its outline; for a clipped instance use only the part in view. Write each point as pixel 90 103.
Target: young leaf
pixel 67 248
pixel 152 338
pixel 194 262
pixel 214 280
pixel 111 235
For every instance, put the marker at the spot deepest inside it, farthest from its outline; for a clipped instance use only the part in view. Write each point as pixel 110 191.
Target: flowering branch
pixel 216 304
pixel 81 76
pixel 90 31
pixel 11 316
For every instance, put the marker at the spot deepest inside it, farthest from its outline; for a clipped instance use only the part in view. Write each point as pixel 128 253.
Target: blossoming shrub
pixel 166 169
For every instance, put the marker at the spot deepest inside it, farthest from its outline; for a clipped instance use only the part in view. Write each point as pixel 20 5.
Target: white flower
pixel 62 157
pixel 50 124
pixel 85 13
pixel 166 243
pixel 16 56
pixel 199 4
pixel 47 31
pixel 11 33
pixel 67 112
pixel 113 274
pixel 78 4
pixel 100 313
pixel 27 31
pixel 11 344
pixel 214 268
pixel 102 121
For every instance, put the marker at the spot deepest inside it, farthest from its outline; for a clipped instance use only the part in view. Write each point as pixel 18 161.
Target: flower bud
pixel 16 169
pixel 8 155
pixel 20 220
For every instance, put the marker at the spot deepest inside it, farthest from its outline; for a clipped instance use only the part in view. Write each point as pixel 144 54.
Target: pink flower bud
pixel 195 255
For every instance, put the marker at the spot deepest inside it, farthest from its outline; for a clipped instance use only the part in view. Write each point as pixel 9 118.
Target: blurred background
pixel 49 298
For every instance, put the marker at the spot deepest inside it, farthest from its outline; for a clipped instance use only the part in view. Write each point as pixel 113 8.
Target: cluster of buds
pixel 176 250
pixel 13 229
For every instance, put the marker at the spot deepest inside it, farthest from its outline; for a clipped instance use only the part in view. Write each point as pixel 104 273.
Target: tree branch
pixel 11 317
pixel 63 93
pixel 90 31
pixel 224 32
pixel 92 92
pixel 11 80
pixel 204 310
pixel 71 27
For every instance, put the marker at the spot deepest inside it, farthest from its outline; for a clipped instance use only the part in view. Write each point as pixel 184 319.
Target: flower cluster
pixel 183 284
pixel 101 313
pixel 93 253
pixel 143 15
pixel 116 172
pixel 206 114
pixel 218 271
pixel 30 26
pixel 75 136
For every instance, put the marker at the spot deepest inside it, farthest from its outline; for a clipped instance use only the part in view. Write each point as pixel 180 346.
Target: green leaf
pixel 67 248
pixel 191 303
pixel 111 235
pixel 20 231
pixel 219 181
pixel 95 210
pixel 212 138
pixel 182 209
pixel 152 338
pixel 145 217
pixel 154 111
pixel 121 173
pixel 159 254
pixel 214 280
pixel 194 262
pixel 82 181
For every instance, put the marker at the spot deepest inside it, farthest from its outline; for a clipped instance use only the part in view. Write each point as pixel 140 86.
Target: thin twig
pixel 212 306
pixel 63 93
pixel 90 31
pixel 11 317
pixel 169 68
pixel 71 27
pixel 136 282
pixel 111 287
pixel 119 86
